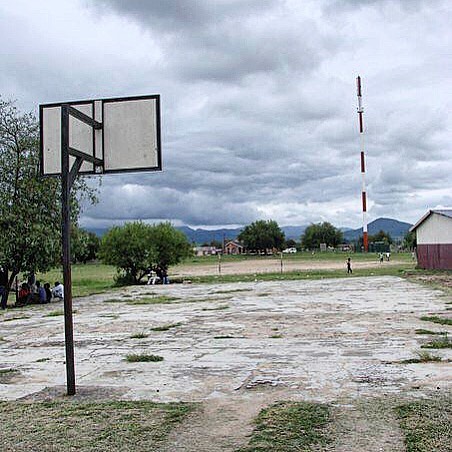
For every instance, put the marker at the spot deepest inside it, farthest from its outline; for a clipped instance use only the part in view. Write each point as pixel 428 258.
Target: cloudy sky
pixel 258 101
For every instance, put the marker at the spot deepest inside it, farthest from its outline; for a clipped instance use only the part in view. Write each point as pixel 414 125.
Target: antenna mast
pixel 363 165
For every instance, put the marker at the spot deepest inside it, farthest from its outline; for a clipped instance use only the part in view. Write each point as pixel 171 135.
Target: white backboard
pixel 128 141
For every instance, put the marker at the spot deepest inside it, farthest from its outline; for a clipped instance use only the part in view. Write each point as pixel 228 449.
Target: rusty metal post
pixel 66 246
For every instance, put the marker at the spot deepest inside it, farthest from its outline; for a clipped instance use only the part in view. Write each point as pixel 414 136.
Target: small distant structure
pixel 434 239
pixel 348 247
pixel 206 250
pixel 233 247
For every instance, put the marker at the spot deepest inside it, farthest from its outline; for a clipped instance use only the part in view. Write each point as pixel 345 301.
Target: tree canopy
pixel 381 236
pixel 409 241
pixel 262 235
pixel 84 245
pixel 136 247
pixel 318 233
pixel 30 208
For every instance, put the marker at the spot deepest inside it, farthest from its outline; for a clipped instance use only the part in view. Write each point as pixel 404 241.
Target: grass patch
pixel 161 299
pixel 423 357
pixel 443 342
pixel 392 270
pixel 166 327
pixel 289 426
pixel 58 312
pixel 55 313
pixel 232 291
pixel 218 308
pixel 87 279
pixel 110 316
pixel 42 360
pixel 422 331
pixel 426 424
pixel 115 300
pixel 141 335
pixel 10 319
pixel 143 358
pixel 437 319
pixel 435 279
pixel 124 426
pixel 6 375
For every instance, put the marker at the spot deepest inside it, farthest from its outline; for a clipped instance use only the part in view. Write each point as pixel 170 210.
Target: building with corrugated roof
pixel 434 239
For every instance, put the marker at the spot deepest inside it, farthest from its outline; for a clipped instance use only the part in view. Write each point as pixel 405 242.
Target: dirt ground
pixel 239 347
pixel 257 266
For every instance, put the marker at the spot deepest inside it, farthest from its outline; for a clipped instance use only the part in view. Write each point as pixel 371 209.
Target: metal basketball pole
pixel 68 176
pixel 72 160
pixel 66 245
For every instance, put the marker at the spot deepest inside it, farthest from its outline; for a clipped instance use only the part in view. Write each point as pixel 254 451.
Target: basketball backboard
pixel 127 140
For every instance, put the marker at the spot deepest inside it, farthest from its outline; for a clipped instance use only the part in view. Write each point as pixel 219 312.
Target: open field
pixel 238 265
pixel 238 348
pixel 88 279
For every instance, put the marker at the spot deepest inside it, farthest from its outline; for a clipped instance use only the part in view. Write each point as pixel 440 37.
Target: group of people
pixel 382 256
pixel 158 275
pixel 31 292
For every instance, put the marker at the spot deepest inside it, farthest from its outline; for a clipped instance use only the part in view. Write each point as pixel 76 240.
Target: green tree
pixel 84 245
pixel 291 243
pixel 409 241
pixel 30 209
pixel 318 233
pixel 262 235
pixel 381 236
pixel 170 245
pixel 136 247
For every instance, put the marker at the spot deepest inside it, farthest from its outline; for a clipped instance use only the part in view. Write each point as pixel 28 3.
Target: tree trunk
pixel 9 283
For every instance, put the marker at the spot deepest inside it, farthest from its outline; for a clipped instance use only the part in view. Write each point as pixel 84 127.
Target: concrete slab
pixel 319 340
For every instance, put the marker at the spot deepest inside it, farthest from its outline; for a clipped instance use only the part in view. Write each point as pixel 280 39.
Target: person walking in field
pixel 349 266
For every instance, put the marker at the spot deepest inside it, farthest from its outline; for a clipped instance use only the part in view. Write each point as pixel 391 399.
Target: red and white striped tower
pixel 363 165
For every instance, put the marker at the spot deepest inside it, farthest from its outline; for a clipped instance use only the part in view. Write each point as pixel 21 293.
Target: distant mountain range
pixel 396 229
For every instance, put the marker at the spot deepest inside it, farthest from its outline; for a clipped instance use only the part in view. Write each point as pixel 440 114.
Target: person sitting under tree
pixel 58 291
pixel 48 292
pixel 24 295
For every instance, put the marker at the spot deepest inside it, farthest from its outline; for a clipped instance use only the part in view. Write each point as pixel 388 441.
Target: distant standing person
pixel 58 291
pixel 165 279
pixel 349 266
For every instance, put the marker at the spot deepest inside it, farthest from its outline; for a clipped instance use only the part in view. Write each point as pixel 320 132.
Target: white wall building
pixel 434 239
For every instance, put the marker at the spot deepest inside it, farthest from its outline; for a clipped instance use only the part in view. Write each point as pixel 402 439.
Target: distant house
pixel 233 247
pixel 206 250
pixel 345 247
pixel 434 239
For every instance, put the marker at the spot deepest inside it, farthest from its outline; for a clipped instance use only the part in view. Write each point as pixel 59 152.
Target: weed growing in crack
pixel 143 358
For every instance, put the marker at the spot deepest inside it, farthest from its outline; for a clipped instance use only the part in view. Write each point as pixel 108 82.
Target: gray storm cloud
pixel 258 101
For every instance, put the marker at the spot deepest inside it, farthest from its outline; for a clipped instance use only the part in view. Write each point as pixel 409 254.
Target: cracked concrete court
pixel 318 340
